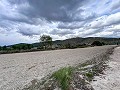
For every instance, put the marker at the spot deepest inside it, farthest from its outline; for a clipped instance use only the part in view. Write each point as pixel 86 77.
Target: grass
pixel 89 75
pixel 63 76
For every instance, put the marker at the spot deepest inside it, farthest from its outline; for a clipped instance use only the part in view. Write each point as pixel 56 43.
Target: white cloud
pixel 106 20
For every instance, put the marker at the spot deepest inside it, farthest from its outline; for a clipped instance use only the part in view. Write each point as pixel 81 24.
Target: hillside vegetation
pixel 59 44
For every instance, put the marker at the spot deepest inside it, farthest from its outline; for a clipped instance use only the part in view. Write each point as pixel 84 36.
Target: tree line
pixel 17 47
pixel 46 43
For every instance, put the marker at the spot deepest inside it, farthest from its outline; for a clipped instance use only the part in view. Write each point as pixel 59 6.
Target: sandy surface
pixel 111 79
pixel 16 70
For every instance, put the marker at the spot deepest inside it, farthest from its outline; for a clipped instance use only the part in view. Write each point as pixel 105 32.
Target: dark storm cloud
pixel 116 5
pixel 27 32
pixel 55 10
pixel 17 19
pixel 61 32
pixel 93 31
pixel 72 26
pixel 64 11
pixel 27 11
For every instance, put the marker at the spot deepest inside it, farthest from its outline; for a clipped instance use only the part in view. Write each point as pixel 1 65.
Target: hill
pixel 88 41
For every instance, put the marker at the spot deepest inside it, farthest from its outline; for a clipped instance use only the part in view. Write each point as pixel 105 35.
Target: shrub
pixel 96 43
pixel 63 76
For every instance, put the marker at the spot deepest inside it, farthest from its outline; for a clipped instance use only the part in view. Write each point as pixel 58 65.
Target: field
pixel 17 70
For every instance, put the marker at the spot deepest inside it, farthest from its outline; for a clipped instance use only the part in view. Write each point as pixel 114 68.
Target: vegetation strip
pixel 46 43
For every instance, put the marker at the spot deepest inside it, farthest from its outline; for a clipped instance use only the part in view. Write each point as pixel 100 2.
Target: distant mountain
pixel 88 40
pixel 19 44
pixel 80 41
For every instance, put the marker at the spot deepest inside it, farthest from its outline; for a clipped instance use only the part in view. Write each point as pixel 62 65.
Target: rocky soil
pixel 110 80
pixel 20 69
pixel 83 75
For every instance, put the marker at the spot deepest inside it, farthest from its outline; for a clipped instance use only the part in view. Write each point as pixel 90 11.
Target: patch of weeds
pixel 63 76
pixel 89 75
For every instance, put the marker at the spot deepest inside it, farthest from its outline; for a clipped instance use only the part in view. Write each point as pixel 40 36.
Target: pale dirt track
pixel 16 70
pixel 111 79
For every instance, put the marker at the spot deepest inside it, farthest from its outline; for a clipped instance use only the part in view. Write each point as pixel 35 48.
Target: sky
pixel 24 21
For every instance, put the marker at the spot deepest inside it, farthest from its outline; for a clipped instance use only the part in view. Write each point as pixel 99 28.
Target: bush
pixel 63 76
pixel 97 43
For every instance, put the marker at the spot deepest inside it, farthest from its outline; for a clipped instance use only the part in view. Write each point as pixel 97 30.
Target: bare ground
pixel 17 70
pixel 111 78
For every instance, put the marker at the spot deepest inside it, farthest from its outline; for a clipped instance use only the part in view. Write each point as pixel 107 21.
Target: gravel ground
pixel 17 70
pixel 111 79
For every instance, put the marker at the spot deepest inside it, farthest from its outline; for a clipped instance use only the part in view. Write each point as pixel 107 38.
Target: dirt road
pixel 111 79
pixel 16 70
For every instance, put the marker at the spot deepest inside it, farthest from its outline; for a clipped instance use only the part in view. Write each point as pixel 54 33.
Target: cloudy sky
pixel 23 21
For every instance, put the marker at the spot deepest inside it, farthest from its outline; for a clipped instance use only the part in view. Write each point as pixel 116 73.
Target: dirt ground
pixel 111 79
pixel 16 70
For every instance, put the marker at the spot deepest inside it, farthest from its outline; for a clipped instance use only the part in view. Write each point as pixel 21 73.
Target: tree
pixel 14 47
pixel 29 46
pixel 103 43
pixel 96 43
pixel 4 47
pixel 24 47
pixel 46 41
pixel 68 45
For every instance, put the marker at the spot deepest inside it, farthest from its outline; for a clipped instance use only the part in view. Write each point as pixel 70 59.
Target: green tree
pixel 96 43
pixel 46 40
pixel 68 45
pixel 24 47
pixel 4 47
pixel 14 47
pixel 0 48
pixel 29 46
